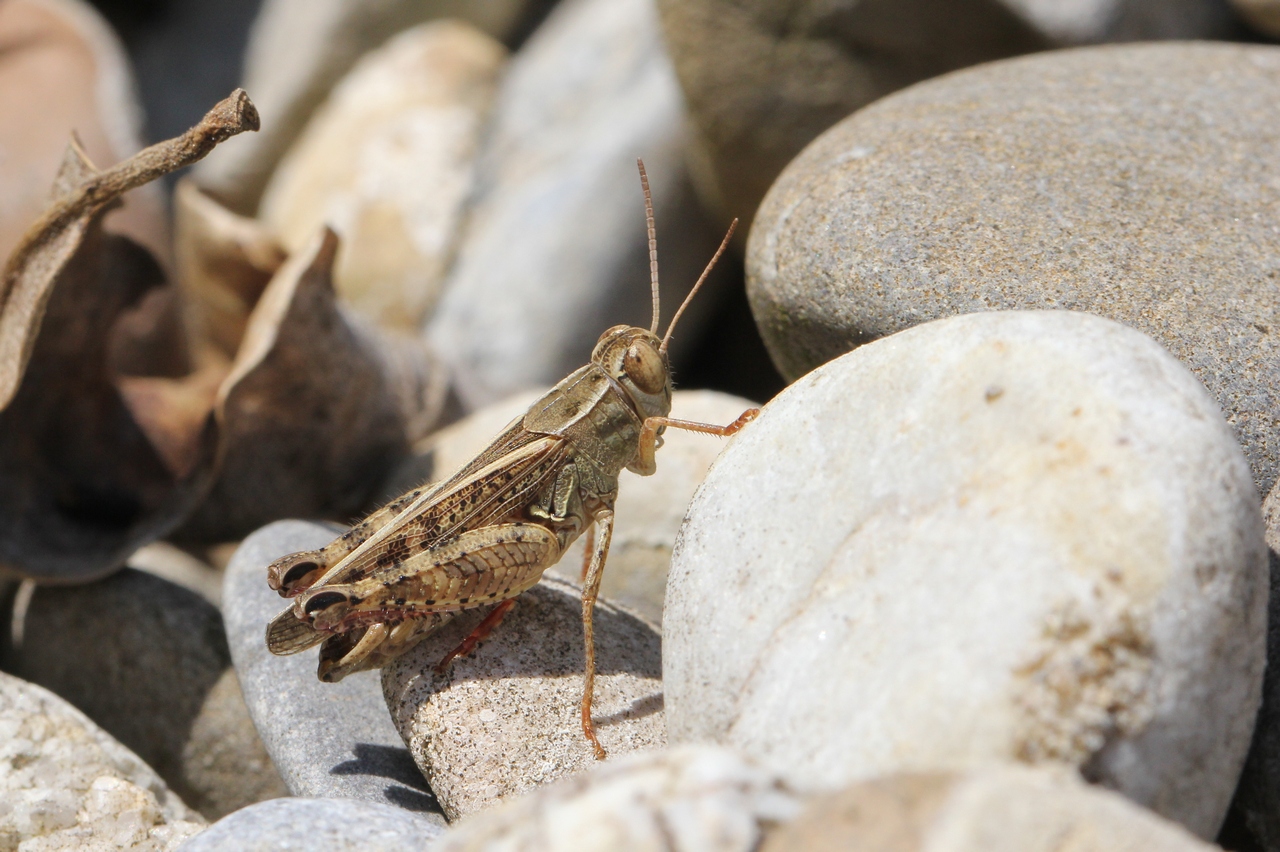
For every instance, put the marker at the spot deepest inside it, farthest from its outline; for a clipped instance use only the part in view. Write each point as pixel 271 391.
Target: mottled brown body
pixel 488 532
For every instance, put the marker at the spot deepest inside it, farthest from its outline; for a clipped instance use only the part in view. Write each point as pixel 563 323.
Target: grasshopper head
pixel 635 359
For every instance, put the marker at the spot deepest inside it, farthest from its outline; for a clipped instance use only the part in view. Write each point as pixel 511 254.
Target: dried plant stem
pixel 82 193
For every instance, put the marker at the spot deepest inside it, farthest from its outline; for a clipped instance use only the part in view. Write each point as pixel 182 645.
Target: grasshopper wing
pixel 292 574
pixel 475 497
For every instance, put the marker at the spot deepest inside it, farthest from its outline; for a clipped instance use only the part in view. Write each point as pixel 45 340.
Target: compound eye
pixel 644 367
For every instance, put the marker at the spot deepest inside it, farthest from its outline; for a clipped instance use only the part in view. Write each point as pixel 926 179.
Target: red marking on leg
pixel 483 629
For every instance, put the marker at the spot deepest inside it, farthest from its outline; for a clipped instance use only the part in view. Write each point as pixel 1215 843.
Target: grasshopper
pixel 486 534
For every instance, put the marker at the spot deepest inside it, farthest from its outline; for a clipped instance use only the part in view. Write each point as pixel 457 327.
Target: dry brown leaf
pixel 317 408
pixel 224 263
pixel 81 484
pixel 81 195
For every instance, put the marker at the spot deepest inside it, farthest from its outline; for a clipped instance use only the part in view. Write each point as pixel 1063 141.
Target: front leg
pixel 590 590
pixel 645 463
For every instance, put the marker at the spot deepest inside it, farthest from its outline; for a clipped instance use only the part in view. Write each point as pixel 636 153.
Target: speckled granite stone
pixel 504 719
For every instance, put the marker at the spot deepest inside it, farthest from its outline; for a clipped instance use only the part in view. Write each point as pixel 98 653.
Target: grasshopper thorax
pixel 634 358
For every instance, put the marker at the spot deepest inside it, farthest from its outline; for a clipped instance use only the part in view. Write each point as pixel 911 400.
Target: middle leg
pixel 590 590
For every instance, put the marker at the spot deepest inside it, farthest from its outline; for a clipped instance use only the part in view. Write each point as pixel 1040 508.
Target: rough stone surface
pixel 387 162
pixel 66 784
pixel 649 508
pixel 555 251
pixel 327 740
pixel 763 78
pixel 505 719
pixel 298 50
pixel 1002 536
pixel 997 809
pixel 695 797
pixel 1137 182
pixel 317 825
pixel 1264 15
pixel 147 660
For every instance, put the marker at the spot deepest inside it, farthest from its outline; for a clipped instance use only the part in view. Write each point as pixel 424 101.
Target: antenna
pixel 666 338
pixel 653 243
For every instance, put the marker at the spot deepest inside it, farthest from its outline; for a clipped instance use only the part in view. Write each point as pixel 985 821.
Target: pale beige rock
pixel 387 162
pixel 65 71
pixel 692 798
pixel 298 50
pixel 996 809
pixel 1024 535
pixel 649 510
pixel 67 785
pixel 505 719
pixel 1261 14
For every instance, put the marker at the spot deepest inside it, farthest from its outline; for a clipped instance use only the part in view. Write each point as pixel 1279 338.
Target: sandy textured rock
pixel 1011 186
pixel 649 508
pixel 1002 536
pixel 1264 15
pixel 333 741
pixel 504 720
pixel 66 71
pixel 695 797
pixel 66 784
pixel 998 809
pixel 387 162
pixel 299 49
pixel 763 78
pixel 555 251
pixel 317 825
pixel 147 660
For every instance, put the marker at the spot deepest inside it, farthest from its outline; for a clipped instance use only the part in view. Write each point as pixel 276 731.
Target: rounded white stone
pixel 1021 535
pixel 388 163
pixel 1003 808
pixel 695 797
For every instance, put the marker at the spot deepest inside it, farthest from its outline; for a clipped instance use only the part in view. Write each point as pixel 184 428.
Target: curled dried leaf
pixel 82 482
pixel 224 264
pixel 81 194
pixel 317 408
